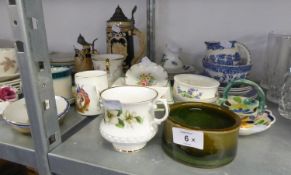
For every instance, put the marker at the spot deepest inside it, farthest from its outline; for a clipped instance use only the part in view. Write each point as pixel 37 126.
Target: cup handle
pixel 160 120
pixel 246 50
pixel 142 45
pixel 98 96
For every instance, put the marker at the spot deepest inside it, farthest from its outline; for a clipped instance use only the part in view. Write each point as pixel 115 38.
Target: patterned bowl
pixel 225 73
pixel 191 87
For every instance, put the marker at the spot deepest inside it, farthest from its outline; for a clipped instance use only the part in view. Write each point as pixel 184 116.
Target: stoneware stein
pixel 111 63
pixel 8 61
pixel 226 52
pixel 89 84
pixel 129 120
pixel 120 33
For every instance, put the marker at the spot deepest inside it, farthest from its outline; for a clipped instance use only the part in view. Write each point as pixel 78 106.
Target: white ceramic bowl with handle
pixel 191 87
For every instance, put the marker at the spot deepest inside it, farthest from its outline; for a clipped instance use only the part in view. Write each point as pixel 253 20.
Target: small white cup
pixel 89 84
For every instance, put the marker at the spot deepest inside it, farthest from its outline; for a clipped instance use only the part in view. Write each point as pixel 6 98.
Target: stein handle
pixel 142 43
pixel 246 51
pixel 160 120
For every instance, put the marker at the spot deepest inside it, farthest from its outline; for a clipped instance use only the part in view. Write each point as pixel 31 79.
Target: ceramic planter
pixel 201 135
pixel 129 121
pixel 190 87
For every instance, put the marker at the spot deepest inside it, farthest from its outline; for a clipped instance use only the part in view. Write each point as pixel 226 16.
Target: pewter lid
pixel 118 16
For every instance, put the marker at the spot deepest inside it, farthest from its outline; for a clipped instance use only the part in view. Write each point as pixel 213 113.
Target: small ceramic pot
pixel 190 87
pixel 62 81
pixel 243 106
pixel 129 120
pixel 111 63
pixel 225 73
pixel 200 134
pixel 8 61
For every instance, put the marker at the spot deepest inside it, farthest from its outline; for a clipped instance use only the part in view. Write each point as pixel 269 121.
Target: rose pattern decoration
pixel 8 93
pixel 146 79
pixel 82 100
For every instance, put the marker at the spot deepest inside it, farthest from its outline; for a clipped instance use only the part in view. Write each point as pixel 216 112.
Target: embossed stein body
pixel 129 121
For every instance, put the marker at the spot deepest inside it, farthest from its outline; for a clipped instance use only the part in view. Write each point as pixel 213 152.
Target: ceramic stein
pixel 129 120
pixel 226 52
pixel 120 33
pixel 111 63
pixel 89 84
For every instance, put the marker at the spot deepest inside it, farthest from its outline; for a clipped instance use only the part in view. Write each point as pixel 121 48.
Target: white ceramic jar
pixel 62 81
pixel 129 120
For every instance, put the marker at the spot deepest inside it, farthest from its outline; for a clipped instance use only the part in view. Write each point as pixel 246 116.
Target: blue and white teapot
pixel 226 52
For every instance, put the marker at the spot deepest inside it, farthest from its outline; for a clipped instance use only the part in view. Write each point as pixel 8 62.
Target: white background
pixel 188 23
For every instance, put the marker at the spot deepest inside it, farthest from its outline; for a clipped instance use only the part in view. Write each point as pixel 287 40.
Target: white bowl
pixel 15 114
pixel 191 87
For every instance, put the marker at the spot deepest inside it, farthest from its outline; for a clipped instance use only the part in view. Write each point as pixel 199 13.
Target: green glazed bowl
pixel 209 134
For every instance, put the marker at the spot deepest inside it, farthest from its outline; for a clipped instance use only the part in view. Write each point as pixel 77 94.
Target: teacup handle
pixel 246 50
pixel 261 94
pixel 160 120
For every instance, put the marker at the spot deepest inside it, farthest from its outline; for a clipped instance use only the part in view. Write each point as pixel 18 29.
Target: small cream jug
pixel 129 120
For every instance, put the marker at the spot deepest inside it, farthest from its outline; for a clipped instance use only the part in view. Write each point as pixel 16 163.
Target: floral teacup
pixel 129 121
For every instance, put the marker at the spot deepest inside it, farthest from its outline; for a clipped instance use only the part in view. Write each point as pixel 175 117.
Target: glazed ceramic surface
pixel 201 135
pixel 89 84
pixel 16 113
pixel 252 124
pixel 120 34
pixel 226 73
pixel 191 87
pixel 8 62
pixel 243 105
pixel 129 120
pixel 225 52
pixel 62 81
pixel 111 63
pixel 146 73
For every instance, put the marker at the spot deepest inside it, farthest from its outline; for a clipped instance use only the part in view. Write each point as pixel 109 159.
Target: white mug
pixel 111 63
pixel 89 84
pixel 129 120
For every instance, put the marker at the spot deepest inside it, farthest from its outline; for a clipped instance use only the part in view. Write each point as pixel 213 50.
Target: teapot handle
pixel 142 43
pixel 246 50
pixel 261 94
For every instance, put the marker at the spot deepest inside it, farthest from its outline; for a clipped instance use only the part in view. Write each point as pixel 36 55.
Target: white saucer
pixel 4 78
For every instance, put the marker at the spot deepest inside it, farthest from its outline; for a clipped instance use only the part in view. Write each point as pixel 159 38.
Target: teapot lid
pixel 118 16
